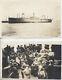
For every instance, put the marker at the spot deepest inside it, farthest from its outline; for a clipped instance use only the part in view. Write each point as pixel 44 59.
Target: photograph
pixel 30 18
pixel 0 31
pixel 28 60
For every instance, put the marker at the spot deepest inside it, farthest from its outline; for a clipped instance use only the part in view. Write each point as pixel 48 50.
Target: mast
pixel 33 14
pixel 18 15
pixel 23 15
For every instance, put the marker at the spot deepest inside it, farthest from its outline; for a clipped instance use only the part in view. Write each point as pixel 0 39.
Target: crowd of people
pixel 27 61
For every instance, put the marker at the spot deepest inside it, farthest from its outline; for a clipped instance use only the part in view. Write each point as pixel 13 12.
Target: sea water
pixel 31 30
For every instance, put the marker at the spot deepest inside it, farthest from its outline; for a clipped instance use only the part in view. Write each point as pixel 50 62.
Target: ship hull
pixel 4 21
pixel 46 20
pixel 27 20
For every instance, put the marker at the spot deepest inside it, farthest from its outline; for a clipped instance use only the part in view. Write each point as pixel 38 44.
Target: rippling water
pixel 31 30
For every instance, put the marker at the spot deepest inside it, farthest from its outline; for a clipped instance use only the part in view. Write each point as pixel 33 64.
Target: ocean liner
pixel 23 19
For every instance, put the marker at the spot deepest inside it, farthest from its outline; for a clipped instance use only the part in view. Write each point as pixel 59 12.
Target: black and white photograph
pixel 0 31
pixel 29 60
pixel 30 18
pixel 30 39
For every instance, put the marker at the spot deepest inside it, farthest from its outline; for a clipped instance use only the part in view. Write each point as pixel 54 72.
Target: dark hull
pixel 4 21
pixel 25 20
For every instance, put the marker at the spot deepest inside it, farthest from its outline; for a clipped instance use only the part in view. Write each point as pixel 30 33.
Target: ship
pixel 4 21
pixel 24 19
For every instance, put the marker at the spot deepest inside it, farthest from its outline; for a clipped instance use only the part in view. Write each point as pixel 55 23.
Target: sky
pixel 50 8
